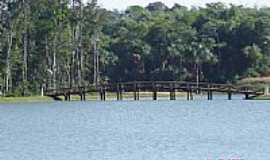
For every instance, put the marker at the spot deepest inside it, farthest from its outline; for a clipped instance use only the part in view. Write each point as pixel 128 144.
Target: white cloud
pixel 122 4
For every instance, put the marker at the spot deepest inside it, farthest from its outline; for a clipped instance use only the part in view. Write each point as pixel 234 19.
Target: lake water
pixel 128 130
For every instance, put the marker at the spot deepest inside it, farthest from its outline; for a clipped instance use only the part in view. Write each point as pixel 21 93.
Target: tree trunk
pixel 25 46
pixel 96 60
pixel 25 57
pixel 54 69
pixel 8 72
pixel 80 51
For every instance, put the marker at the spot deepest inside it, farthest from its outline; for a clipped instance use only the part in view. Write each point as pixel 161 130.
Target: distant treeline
pixel 56 42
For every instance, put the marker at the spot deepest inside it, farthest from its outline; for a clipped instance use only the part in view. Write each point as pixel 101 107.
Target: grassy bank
pixel 262 98
pixel 89 97
pixel 30 99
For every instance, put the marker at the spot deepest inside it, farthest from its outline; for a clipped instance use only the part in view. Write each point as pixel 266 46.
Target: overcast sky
pixel 122 4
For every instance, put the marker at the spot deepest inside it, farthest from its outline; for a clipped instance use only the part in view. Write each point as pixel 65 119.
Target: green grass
pixel 262 98
pixel 89 97
pixel 30 99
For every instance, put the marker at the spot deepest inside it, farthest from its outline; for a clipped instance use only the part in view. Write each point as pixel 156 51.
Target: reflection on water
pixel 128 130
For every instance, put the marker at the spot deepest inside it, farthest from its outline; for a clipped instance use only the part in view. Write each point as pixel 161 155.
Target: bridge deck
pixel 158 86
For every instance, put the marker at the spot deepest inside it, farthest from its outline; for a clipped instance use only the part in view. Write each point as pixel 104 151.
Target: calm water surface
pixel 145 130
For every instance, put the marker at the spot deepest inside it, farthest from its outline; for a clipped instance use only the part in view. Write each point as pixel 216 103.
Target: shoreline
pixel 266 98
pixel 89 97
pixel 95 97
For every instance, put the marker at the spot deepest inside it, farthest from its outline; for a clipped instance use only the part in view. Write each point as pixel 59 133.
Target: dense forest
pixel 62 43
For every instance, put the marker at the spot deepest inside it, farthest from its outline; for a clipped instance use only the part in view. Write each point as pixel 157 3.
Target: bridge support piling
pixel 246 96
pixel 81 97
pixel 155 95
pixel 188 92
pixel 191 94
pixel 118 92
pixel 135 95
pixel 68 96
pixel 102 95
pixel 121 95
pixel 154 88
pixel 172 92
pixel 172 95
pixel 118 95
pixel 210 95
pixel 136 92
pixel 229 95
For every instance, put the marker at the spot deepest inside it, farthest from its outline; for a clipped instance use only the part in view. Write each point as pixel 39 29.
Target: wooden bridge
pixel 161 86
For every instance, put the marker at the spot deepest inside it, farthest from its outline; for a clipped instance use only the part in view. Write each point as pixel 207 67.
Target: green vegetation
pixel 262 98
pixel 24 99
pixel 57 44
pixel 90 97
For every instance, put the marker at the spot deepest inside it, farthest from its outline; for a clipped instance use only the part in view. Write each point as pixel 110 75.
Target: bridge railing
pixel 154 86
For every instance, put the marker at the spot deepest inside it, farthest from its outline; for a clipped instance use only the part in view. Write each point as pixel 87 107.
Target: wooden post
pixel 118 96
pixel 229 95
pixel 155 91
pixel 246 96
pixel 172 92
pixel 172 95
pixel 155 95
pixel 121 92
pixel 69 96
pixel 209 93
pixel 81 96
pixel 266 90
pixel 118 92
pixel 191 94
pixel 135 92
pixel 84 95
pixel 138 91
pixel 104 94
pixel 101 94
